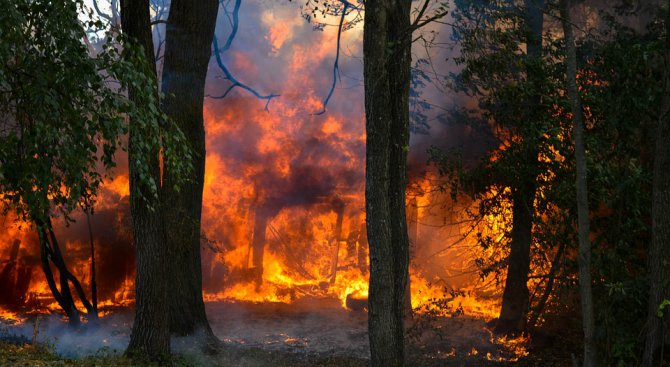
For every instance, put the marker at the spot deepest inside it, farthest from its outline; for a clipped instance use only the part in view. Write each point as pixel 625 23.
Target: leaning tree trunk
pixel 387 58
pixel 514 310
pixel 584 261
pixel 189 34
pixel 150 334
pixel 50 253
pixel 659 251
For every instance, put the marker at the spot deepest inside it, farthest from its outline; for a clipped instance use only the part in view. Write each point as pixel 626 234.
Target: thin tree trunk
pixel 50 253
pixel 258 243
pixel 63 296
pixel 150 334
pixel 337 237
pixel 386 49
pixel 94 285
pixel 659 250
pixel 188 39
pixel 584 261
pixel 551 278
pixel 514 310
pixel 65 275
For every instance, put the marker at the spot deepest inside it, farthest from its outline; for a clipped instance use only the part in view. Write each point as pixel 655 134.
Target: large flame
pixel 284 192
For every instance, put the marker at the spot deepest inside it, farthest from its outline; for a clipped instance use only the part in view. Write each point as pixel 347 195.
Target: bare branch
pixel 100 13
pixel 418 24
pixel 421 12
pixel 234 24
pixel 336 64
pixel 228 75
pixel 234 81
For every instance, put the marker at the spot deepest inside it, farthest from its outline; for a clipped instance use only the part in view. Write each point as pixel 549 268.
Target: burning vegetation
pixel 227 182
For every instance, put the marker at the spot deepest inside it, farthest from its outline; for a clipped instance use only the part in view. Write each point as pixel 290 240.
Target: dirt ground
pixel 308 332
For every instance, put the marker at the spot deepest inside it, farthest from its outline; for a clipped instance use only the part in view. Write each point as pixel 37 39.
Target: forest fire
pixel 283 219
pixel 302 256
pixel 334 183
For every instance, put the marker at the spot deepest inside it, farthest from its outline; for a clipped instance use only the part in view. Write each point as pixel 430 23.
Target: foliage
pixel 622 94
pixel 619 73
pixel 526 147
pixel 65 112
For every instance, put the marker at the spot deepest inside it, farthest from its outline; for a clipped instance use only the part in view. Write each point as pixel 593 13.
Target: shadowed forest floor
pixel 305 333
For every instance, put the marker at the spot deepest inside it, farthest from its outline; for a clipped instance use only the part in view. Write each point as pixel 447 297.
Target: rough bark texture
pixel 584 261
pixel 514 310
pixel 387 58
pixel 413 237
pixel 189 33
pixel 150 335
pixel 659 258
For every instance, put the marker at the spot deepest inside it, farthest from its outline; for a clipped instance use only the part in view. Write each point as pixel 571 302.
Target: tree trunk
pixel 337 237
pixel 514 310
pixel 659 258
pixel 63 296
pixel 258 243
pixel 412 236
pixel 584 261
pixel 94 285
pixel 551 279
pixel 189 33
pixel 387 58
pixel 150 334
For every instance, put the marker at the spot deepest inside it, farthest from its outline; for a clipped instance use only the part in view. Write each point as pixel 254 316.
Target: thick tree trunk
pixel 413 236
pixel 189 33
pixel 659 251
pixel 363 249
pixel 514 310
pixel 387 58
pixel 150 334
pixel 584 261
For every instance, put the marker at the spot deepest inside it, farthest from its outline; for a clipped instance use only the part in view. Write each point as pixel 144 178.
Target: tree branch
pixel 234 81
pixel 336 64
pixel 421 12
pixel 217 54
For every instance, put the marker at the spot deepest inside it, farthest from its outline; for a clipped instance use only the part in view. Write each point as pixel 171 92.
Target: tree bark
pixel 659 250
pixel 387 59
pixel 514 310
pixel 584 261
pixel 150 334
pixel 189 33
